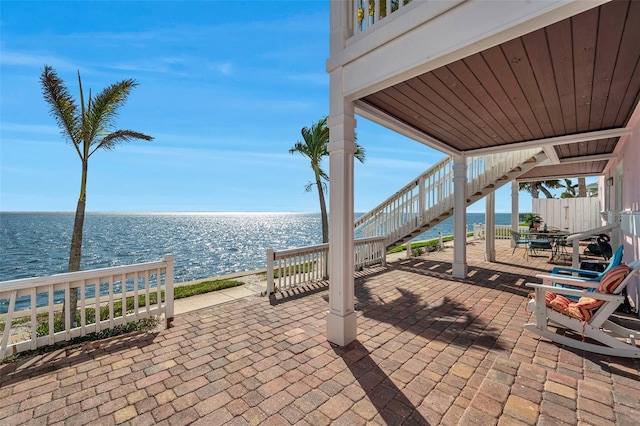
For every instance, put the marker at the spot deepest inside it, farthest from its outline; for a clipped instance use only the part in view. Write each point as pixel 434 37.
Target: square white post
pixel 460 217
pixel 490 228
pixel 515 217
pixel 341 318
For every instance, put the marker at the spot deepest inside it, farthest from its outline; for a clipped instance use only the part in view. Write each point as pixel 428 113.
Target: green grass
pixel 295 269
pixel 428 245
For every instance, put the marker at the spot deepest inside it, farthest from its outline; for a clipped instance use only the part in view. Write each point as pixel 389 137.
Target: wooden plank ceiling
pixel 578 75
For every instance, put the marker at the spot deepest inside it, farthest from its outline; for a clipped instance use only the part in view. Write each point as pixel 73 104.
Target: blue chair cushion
pixel 591 276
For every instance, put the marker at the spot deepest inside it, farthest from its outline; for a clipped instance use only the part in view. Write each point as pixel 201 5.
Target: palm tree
pixel 314 147
pixel 535 187
pixel 582 187
pixel 570 189
pixel 88 128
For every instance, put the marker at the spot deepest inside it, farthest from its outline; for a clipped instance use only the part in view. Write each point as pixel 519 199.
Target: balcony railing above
pixel 369 12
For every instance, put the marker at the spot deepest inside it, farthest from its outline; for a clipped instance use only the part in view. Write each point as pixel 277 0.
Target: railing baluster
pixel 147 297
pixel 51 322
pixel 123 297
pixel 7 324
pixel 34 318
pixel 83 308
pixel 111 314
pixel 158 288
pixel 69 314
pixel 97 302
pixel 136 302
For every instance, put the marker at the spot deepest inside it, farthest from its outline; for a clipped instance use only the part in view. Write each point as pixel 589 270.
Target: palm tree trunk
pixel 323 213
pixel 545 191
pixel 582 187
pixel 75 254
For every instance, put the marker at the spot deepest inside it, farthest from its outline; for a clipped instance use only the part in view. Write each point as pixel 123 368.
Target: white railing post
pixel 270 260
pixel 168 289
pixel 409 254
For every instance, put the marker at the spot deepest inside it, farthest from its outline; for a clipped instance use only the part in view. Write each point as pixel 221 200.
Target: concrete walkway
pixel 213 298
pixel 430 350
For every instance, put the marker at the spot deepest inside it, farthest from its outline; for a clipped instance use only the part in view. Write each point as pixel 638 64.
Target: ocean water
pixel 204 244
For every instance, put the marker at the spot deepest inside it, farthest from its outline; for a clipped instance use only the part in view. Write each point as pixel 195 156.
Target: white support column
pixel 460 217
pixel 341 318
pixel 490 228
pixel 515 217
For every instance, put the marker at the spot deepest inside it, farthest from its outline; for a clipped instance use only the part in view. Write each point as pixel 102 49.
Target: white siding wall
pixel 569 214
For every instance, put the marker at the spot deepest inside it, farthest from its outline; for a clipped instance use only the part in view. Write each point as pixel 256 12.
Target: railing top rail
pixel 297 250
pixel 318 247
pixel 592 232
pixel 368 240
pixel 80 275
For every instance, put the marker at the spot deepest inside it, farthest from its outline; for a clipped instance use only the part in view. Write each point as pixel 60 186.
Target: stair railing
pixel 430 195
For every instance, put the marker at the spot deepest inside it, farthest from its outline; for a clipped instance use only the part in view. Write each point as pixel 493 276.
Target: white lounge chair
pixel 588 318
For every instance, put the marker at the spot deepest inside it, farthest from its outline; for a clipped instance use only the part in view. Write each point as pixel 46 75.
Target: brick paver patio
pixel 430 350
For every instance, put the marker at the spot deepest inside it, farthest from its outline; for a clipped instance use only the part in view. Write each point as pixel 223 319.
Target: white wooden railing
pixel 630 222
pixel 99 290
pixel 575 239
pixel 502 232
pixel 287 269
pixel 430 195
pixel 369 12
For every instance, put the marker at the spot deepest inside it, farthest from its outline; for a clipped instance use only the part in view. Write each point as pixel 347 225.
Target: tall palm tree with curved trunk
pixel 88 127
pixel 535 187
pixel 314 146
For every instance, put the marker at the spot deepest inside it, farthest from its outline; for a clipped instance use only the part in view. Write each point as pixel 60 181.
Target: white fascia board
pixel 377 61
pixel 557 140
pixel 391 123
pixel 587 158
pixel 554 177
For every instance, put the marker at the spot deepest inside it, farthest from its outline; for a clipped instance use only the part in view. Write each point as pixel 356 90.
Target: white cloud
pixel 224 68
pixel 30 128
pixel 12 58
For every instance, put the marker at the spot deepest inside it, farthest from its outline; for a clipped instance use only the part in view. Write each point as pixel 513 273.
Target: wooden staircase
pixel 428 200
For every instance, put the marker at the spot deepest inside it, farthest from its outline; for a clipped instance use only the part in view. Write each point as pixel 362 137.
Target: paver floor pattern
pixel 430 350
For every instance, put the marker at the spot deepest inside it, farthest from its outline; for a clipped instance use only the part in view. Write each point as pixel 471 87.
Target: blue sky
pixel 224 87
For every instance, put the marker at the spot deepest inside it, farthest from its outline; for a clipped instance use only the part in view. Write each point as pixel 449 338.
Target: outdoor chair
pixel 585 324
pixel 603 244
pixel 520 239
pixel 539 244
pixel 586 275
pixel 615 260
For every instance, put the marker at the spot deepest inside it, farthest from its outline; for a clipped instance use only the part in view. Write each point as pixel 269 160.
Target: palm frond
pixel 360 153
pixel 63 106
pixel 112 140
pixel 104 108
pixel 300 148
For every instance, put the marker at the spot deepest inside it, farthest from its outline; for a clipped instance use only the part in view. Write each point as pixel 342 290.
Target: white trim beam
pixel 553 177
pixel 556 140
pixel 587 158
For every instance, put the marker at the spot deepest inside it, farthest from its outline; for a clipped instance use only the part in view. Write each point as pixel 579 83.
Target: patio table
pixel 557 240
